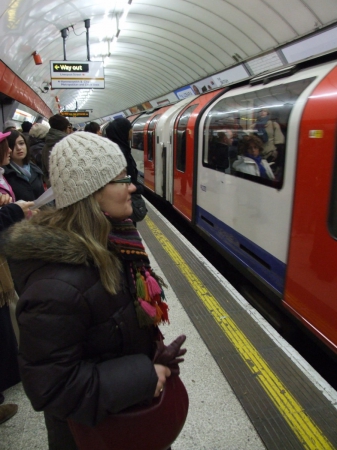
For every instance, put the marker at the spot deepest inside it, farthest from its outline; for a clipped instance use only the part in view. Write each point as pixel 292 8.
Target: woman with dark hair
pixel 10 213
pixel 93 127
pixel 25 178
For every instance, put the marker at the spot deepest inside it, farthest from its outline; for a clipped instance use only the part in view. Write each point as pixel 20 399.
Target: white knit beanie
pixel 82 163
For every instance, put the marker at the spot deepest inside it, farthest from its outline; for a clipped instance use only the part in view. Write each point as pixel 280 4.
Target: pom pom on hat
pixel 82 163
pixel 3 136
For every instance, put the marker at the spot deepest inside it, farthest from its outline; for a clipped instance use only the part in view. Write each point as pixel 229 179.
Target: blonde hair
pixel 86 223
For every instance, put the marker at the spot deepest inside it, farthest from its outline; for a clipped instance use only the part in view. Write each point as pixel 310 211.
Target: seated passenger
pixel 250 161
pixel 218 152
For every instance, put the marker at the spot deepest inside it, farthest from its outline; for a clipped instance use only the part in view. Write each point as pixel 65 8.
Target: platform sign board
pixel 75 113
pixel 77 74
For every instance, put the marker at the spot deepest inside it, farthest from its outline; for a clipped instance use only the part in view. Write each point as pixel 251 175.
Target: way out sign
pixel 77 74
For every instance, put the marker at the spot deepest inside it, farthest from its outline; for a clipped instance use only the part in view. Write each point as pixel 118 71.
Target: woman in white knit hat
pixel 88 334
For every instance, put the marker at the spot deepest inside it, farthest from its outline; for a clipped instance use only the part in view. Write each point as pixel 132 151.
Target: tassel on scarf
pixel 146 297
pixel 164 309
pixel 140 285
pixel 147 290
pixel 152 285
pixel 148 308
pixel 143 318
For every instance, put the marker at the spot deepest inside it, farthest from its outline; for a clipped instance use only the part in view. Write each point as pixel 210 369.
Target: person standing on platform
pixel 10 213
pixel 93 127
pixel 25 177
pixel 37 138
pixel 26 127
pixel 60 127
pixel 9 125
pixel 120 132
pixel 88 336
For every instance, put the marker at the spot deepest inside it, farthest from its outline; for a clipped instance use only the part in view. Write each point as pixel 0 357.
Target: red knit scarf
pixel 144 284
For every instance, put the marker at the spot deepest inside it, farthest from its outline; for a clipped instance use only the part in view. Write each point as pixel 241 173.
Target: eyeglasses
pixel 126 180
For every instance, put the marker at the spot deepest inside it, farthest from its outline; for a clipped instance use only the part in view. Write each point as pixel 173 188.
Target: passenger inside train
pixel 250 160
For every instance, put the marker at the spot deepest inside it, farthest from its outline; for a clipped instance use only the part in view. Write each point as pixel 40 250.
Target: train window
pixel 245 135
pixel 151 137
pixel 181 138
pixel 138 132
pixel 332 220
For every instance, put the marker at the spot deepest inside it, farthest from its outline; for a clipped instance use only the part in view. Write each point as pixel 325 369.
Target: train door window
pixel 151 137
pixel 138 132
pixel 332 221
pixel 181 138
pixel 245 135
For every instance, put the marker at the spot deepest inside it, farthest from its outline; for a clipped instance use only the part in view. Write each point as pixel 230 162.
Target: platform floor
pixel 229 406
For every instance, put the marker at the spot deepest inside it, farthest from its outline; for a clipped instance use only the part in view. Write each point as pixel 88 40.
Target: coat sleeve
pixel 55 375
pixel 9 215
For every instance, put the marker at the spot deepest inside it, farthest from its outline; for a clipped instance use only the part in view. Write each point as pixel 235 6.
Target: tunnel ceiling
pixel 161 45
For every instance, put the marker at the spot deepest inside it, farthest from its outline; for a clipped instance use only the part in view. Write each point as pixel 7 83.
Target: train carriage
pixel 279 229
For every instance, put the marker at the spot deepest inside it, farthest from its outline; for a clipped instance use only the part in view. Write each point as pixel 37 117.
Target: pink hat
pixel 4 135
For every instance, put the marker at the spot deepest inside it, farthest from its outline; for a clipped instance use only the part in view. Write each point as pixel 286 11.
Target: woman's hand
pixel 163 372
pixel 25 208
pixel 5 199
pixel 171 355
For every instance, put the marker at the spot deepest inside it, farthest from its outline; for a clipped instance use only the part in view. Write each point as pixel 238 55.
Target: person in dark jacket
pixel 120 131
pixel 10 213
pixel 93 127
pixel 25 127
pixel 60 127
pixel 37 138
pixel 88 337
pixel 25 177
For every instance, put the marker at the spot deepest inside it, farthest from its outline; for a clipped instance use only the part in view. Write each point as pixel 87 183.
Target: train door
pixel 184 153
pixel 137 146
pixel 311 281
pixel 183 163
pixel 149 140
pixel 149 154
pixel 164 154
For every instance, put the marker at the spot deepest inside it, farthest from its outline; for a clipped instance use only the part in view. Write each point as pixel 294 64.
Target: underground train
pixel 273 215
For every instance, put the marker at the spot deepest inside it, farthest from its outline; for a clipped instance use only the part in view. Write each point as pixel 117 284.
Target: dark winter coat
pixel 52 137
pixel 35 148
pixel 9 369
pixel 23 189
pixel 82 353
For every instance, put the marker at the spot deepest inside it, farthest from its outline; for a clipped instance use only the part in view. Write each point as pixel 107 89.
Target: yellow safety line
pixel 307 432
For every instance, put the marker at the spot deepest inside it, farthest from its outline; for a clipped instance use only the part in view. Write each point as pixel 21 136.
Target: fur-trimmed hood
pixel 27 240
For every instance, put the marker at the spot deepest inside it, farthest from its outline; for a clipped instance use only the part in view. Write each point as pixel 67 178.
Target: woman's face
pixel 115 198
pixel 253 150
pixel 19 151
pixel 7 157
